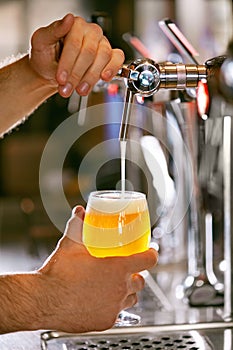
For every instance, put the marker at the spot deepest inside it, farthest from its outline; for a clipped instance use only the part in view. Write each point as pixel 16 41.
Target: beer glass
pixel 117 223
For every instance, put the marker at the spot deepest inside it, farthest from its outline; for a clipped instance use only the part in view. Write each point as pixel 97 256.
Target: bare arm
pixel 69 54
pixel 21 91
pixel 18 302
pixel 73 291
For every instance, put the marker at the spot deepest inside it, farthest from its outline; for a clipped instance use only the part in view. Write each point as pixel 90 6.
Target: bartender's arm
pixel 68 54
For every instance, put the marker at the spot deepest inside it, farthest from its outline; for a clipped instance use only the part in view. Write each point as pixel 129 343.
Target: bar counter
pixel 20 341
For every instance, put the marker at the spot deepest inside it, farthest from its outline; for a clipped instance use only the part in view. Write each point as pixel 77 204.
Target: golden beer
pixel 116 223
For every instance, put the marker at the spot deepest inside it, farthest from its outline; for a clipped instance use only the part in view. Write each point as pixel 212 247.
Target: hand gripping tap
pixel 145 77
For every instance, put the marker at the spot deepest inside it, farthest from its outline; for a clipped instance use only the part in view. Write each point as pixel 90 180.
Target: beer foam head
pixel 111 202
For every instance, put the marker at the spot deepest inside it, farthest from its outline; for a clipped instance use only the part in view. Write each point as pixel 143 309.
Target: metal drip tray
pixel 174 341
pixel 136 338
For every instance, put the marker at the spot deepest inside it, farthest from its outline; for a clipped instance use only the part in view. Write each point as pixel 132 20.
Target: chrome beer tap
pixel 145 77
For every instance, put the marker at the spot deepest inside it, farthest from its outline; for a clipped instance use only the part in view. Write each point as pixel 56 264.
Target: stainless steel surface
pixel 129 96
pixel 226 78
pixel 142 76
pixel 228 244
pixel 181 76
pixel 145 77
pixel 186 337
pixel 178 39
pixel 201 286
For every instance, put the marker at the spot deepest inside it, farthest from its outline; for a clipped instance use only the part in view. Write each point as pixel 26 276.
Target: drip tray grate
pixel 191 340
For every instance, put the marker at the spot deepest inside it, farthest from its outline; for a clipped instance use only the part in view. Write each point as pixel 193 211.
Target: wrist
pixel 39 80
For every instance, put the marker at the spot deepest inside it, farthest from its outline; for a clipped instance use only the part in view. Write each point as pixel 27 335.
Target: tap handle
pixel 145 77
pixel 142 76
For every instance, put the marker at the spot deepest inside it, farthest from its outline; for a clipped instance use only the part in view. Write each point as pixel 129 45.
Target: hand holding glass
pixel 117 224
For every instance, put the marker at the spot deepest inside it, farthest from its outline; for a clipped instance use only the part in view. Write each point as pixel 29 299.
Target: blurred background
pixel 26 233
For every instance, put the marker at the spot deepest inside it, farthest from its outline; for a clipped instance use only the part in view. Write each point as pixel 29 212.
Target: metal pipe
pixel 228 229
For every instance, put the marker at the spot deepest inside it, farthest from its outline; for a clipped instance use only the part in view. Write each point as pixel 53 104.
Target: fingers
pixel 74 225
pixel 112 68
pixel 99 69
pixel 142 261
pixel 130 301
pixel 86 57
pixel 136 284
pixel 93 66
pixel 73 54
pixel 79 45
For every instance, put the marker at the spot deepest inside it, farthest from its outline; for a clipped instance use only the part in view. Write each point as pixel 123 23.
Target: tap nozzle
pixel 126 115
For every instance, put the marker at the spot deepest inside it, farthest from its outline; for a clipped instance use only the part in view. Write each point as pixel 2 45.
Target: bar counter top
pixel 20 341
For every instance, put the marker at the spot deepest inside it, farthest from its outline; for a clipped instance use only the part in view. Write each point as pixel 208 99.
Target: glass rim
pixel 128 194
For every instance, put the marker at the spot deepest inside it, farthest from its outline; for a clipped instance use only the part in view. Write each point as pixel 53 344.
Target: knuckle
pixel 96 29
pixel 93 77
pixel 75 42
pixel 75 77
pixel 140 282
pixel 80 19
pixel 90 51
pixel 80 22
pixel 107 52
pixel 120 54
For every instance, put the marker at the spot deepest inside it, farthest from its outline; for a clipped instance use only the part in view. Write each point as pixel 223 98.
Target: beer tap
pixel 145 77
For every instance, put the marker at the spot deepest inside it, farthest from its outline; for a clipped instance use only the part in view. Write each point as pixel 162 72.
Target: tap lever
pixel 142 75
pixel 145 77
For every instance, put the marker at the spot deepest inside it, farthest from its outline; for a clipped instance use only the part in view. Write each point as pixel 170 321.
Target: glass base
pixel 126 318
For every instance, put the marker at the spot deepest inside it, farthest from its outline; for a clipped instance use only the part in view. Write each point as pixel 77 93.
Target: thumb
pixel 74 226
pixel 57 30
pixel 62 27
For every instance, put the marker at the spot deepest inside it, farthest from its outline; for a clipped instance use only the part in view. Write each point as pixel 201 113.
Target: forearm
pixel 18 305
pixel 21 92
pixel 27 303
pixel 32 301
